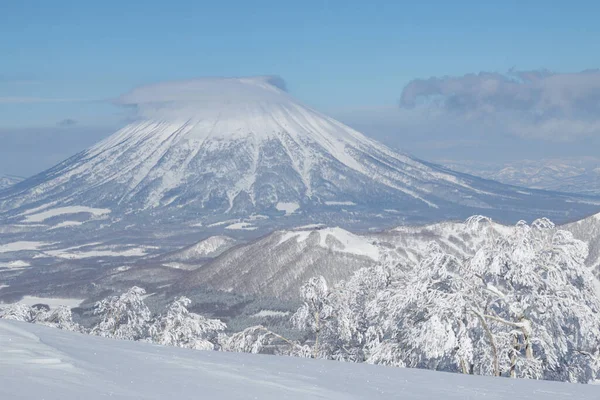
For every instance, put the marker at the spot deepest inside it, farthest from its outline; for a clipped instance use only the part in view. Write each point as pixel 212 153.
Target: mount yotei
pixel 244 150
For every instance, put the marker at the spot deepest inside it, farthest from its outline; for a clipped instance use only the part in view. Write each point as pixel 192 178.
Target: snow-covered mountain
pixel 278 264
pixel 9 180
pixel 580 175
pixel 43 362
pixel 189 197
pixel 588 230
pixel 192 257
pixel 209 247
pixel 210 150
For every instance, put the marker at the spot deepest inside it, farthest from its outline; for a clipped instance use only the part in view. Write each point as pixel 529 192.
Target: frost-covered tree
pixel 181 328
pixel 523 306
pixel 251 340
pixel 19 312
pixel 540 301
pixel 352 313
pixel 60 317
pixel 258 339
pixel 433 323
pixel 346 335
pixel 315 314
pixel 123 317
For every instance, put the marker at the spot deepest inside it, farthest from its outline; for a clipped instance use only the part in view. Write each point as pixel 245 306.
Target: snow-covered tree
pixel 123 317
pixel 315 314
pixel 258 339
pixel 60 317
pixel 251 340
pixel 181 328
pixel 523 306
pixel 350 301
pixel 19 312
pixel 433 322
pixel 540 302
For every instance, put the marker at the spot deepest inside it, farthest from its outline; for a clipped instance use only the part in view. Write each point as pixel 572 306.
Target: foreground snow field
pixel 38 362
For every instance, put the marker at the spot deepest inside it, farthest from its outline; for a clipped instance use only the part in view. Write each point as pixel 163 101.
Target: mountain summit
pixel 237 147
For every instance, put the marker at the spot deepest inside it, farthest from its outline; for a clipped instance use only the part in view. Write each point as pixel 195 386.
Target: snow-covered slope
pixel 211 148
pixel 278 264
pixel 462 239
pixel 572 175
pixel 38 362
pixel 209 247
pixel 8 180
pixel 410 243
pixel 192 257
pixel 588 230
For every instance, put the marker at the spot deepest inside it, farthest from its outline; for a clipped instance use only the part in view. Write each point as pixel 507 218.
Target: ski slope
pixel 38 362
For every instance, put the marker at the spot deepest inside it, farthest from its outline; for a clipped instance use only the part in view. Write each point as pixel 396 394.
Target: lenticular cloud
pixel 189 98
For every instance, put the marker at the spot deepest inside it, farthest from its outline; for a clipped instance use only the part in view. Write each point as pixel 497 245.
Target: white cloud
pixel 531 104
pixel 184 98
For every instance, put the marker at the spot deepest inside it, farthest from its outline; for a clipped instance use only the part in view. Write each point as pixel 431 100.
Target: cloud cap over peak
pixel 182 98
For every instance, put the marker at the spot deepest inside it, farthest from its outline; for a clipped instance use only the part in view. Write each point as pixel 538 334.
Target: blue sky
pixel 69 59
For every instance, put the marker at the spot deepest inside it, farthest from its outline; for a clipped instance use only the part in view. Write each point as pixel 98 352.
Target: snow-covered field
pixel 243 226
pixel 340 203
pixel 50 301
pixel 42 216
pixel 38 362
pixel 17 264
pixel 288 208
pixel 66 254
pixel 21 246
